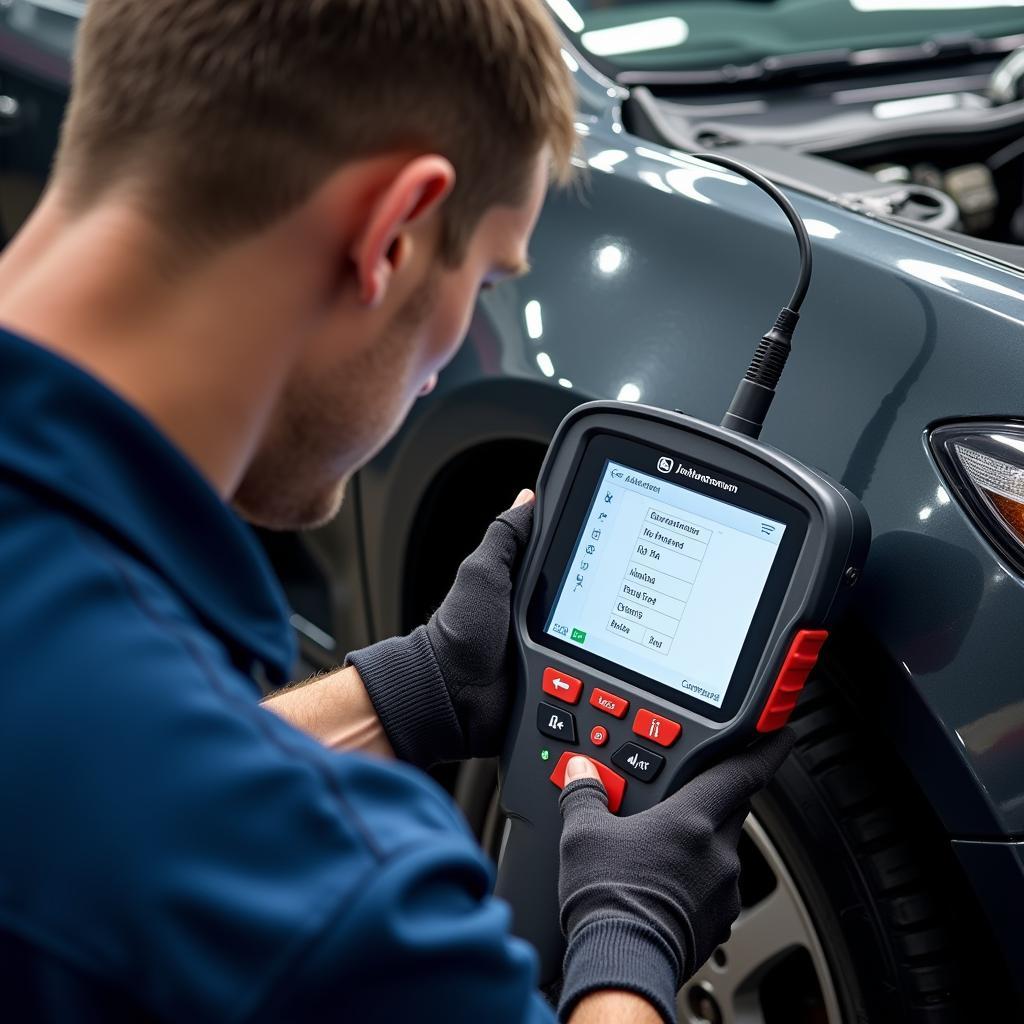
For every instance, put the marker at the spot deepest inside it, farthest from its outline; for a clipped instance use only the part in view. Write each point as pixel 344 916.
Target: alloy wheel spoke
pixel 761 935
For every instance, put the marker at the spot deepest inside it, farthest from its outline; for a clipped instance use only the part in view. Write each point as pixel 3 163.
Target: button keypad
pixel 556 723
pixel 635 760
pixel 609 703
pixel 656 728
pixel 564 687
pixel 554 719
pixel 614 783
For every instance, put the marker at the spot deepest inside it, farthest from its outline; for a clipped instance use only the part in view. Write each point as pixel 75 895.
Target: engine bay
pixel 935 139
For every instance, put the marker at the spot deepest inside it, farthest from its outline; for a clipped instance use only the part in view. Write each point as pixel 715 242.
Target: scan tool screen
pixel 665 581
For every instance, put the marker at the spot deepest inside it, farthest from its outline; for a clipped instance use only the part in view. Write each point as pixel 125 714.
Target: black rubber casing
pixel 830 558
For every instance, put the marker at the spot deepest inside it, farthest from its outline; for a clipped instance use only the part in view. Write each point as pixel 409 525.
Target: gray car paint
pixel 898 332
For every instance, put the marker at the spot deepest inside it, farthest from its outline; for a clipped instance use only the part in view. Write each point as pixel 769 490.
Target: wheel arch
pixel 471 449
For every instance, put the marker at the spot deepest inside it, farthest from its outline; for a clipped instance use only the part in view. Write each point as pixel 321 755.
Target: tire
pixel 876 876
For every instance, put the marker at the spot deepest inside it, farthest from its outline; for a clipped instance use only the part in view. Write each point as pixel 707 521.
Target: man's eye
pixel 487 286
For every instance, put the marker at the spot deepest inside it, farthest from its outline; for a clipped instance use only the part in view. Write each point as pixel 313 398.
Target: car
pixel 884 868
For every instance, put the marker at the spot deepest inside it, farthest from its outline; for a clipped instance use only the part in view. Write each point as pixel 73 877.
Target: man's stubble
pixel 326 426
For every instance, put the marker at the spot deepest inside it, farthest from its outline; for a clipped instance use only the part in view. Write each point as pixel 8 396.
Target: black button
pixel 556 723
pixel 637 761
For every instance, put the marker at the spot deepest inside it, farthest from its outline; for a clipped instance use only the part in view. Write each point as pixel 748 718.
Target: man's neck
pixel 199 353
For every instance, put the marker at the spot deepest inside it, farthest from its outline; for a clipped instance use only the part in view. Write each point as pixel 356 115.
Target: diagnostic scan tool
pixel 673 600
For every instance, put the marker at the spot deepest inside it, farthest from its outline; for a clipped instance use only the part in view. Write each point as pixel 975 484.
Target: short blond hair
pixel 227 114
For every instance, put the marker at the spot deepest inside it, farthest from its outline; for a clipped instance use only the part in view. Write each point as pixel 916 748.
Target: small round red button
pixel 599 735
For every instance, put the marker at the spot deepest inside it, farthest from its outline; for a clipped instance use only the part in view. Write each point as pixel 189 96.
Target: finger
pixel 516 524
pixel 581 778
pixel 728 785
pixel 733 827
pixel 525 496
pixel 484 580
pixel 580 768
pixel 500 548
pixel 736 780
pixel 582 798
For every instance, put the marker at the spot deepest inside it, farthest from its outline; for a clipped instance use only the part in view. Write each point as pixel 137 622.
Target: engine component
pixel 973 189
pixel 1007 82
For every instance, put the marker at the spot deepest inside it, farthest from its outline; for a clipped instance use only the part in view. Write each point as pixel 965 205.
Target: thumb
pixel 580 768
pixel 492 562
pixel 583 794
pixel 724 788
pixel 510 532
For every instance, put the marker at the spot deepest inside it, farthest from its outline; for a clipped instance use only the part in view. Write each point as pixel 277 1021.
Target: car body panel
pixel 995 870
pixel 898 333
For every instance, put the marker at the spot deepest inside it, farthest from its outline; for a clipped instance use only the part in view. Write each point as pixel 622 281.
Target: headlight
pixel 983 463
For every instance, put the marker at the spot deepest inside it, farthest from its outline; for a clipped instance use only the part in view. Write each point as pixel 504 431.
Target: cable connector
pixel 754 396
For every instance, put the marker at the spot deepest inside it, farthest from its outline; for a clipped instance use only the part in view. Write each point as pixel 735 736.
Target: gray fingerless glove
pixel 444 692
pixel 646 899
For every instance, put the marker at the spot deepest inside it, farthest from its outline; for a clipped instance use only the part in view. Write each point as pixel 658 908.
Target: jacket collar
pixel 65 434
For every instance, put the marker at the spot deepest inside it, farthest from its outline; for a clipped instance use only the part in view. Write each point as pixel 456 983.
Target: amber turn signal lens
pixel 983 464
pixel 1001 483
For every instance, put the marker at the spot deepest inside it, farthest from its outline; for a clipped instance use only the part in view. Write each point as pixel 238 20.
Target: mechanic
pixel 265 232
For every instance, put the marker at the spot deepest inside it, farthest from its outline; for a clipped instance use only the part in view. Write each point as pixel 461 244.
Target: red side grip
pixel 802 657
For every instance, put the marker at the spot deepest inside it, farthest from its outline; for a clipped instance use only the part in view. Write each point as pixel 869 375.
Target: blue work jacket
pixel 169 850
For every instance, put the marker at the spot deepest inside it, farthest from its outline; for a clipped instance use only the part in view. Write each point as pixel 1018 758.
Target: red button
pixel 802 657
pixel 609 703
pixel 615 784
pixel 599 735
pixel 656 728
pixel 564 687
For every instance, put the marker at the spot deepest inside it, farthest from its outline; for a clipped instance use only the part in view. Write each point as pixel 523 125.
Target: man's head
pixel 409 140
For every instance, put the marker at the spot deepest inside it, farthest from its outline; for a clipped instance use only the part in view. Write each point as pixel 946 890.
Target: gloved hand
pixel 646 899
pixel 444 692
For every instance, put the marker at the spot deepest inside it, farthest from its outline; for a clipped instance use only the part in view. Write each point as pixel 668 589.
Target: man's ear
pixel 379 249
